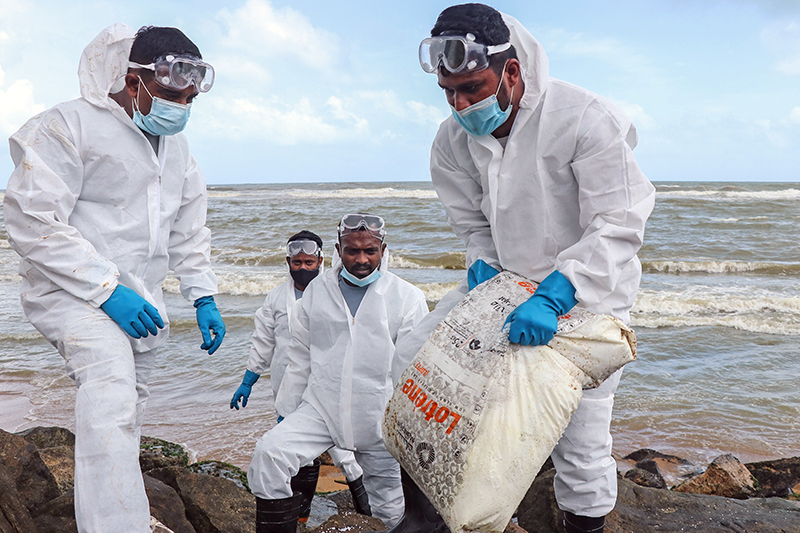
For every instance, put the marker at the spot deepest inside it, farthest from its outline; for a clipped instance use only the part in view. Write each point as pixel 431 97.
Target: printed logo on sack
pixel 474 344
pixel 428 407
pixel 530 287
pixel 425 454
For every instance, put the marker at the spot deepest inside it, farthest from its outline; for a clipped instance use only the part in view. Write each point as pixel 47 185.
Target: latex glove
pixel 133 313
pixel 480 271
pixel 535 321
pixel 208 320
pixel 243 392
pixel 280 419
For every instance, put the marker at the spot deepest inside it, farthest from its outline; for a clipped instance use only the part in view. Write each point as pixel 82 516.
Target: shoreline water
pixel 718 318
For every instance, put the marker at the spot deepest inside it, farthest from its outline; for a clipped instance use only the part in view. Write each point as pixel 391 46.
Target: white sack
pixel 474 418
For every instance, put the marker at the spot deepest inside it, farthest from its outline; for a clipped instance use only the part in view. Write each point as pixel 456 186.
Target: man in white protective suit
pixel 104 200
pixel 269 352
pixel 338 380
pixel 537 176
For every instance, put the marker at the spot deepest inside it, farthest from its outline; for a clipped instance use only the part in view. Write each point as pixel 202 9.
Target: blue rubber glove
pixel 479 272
pixel 209 319
pixel 280 419
pixel 133 313
pixel 535 321
pixel 243 392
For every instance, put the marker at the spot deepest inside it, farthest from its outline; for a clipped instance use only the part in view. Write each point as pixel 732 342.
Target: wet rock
pixel 647 510
pixel 60 460
pixel 645 478
pixel 14 516
pixel 514 528
pixel 33 481
pixel 213 504
pixel 158 453
pixel 725 476
pixel 325 459
pixel 166 505
pixel 350 523
pixel 223 470
pixel 780 477
pixel 57 516
pixel 648 454
pixel 48 437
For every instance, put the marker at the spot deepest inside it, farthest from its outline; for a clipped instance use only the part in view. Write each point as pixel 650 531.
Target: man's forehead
pixel 360 239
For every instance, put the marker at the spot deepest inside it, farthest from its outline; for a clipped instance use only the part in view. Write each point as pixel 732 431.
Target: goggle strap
pixel 497 48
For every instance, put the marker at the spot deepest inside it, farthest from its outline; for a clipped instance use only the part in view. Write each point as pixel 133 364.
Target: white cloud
pixel 282 123
pixel 783 40
pixel 17 105
pixel 260 30
pixel 388 102
pixel 794 116
pixel 636 112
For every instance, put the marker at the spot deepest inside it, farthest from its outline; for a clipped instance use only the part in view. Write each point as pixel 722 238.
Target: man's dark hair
pixel 482 21
pixel 152 42
pixel 306 235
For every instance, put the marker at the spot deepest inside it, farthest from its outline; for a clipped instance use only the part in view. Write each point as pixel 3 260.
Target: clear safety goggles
pixel 456 53
pixel 354 222
pixel 178 72
pixel 302 246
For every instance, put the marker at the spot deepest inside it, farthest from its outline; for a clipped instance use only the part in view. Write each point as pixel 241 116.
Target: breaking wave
pixel 720 267
pixel 383 192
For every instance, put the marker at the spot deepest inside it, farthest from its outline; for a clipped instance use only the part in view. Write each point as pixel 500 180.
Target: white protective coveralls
pixel 565 194
pixel 270 344
pixel 336 387
pixel 90 205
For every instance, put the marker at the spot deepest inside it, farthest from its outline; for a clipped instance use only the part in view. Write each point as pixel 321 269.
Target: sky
pixel 318 91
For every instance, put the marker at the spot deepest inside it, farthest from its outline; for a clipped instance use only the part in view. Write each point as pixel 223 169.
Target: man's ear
pixel 383 248
pixel 132 84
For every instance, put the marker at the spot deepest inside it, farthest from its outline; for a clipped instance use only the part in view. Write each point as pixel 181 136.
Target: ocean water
pixel 717 318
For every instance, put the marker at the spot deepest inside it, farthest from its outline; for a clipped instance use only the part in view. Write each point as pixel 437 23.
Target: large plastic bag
pixel 474 417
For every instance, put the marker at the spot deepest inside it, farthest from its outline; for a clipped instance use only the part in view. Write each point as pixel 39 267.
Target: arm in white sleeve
pixel 615 201
pixel 190 239
pixel 263 340
pixel 41 194
pixel 295 380
pixel 461 195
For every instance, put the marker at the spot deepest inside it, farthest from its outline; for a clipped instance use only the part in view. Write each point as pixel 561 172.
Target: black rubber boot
pixel 583 524
pixel 278 516
pixel 420 515
pixel 360 496
pixel 305 482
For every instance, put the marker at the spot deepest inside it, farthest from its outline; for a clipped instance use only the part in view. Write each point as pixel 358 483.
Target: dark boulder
pixel 645 478
pixel 350 523
pixel 32 479
pixel 647 510
pixel 223 470
pixel 14 516
pixel 780 477
pixel 57 516
pixel 158 453
pixel 213 504
pixel 166 505
pixel 48 437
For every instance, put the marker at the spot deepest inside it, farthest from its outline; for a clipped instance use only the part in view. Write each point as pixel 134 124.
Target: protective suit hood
pixel 532 59
pixel 103 62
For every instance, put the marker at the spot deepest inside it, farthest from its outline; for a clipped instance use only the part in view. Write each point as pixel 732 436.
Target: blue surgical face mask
pixel 483 117
pixel 165 117
pixel 361 282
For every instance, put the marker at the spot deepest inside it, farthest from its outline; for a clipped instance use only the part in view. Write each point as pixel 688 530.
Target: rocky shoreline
pixel 657 493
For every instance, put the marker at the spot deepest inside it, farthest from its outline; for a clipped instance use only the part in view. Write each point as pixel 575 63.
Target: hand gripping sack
pixel 474 417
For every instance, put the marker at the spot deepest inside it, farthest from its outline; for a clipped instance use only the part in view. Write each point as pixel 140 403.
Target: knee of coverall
pixel 100 360
pixel 280 452
pixel 586 473
pixel 345 460
pixel 383 485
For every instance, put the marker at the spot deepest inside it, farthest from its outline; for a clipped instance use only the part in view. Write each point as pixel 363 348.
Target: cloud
pixel 282 123
pixel 636 112
pixel 794 116
pixel 258 29
pixel 783 40
pixel 17 105
pixel 389 103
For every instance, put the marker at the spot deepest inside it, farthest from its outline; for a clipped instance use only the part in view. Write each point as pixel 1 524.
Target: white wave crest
pixel 383 192
pixel 436 291
pixel 236 283
pixel 223 194
pixel 21 337
pixel 4 244
pixel 714 267
pixel 740 308
pixel 723 195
